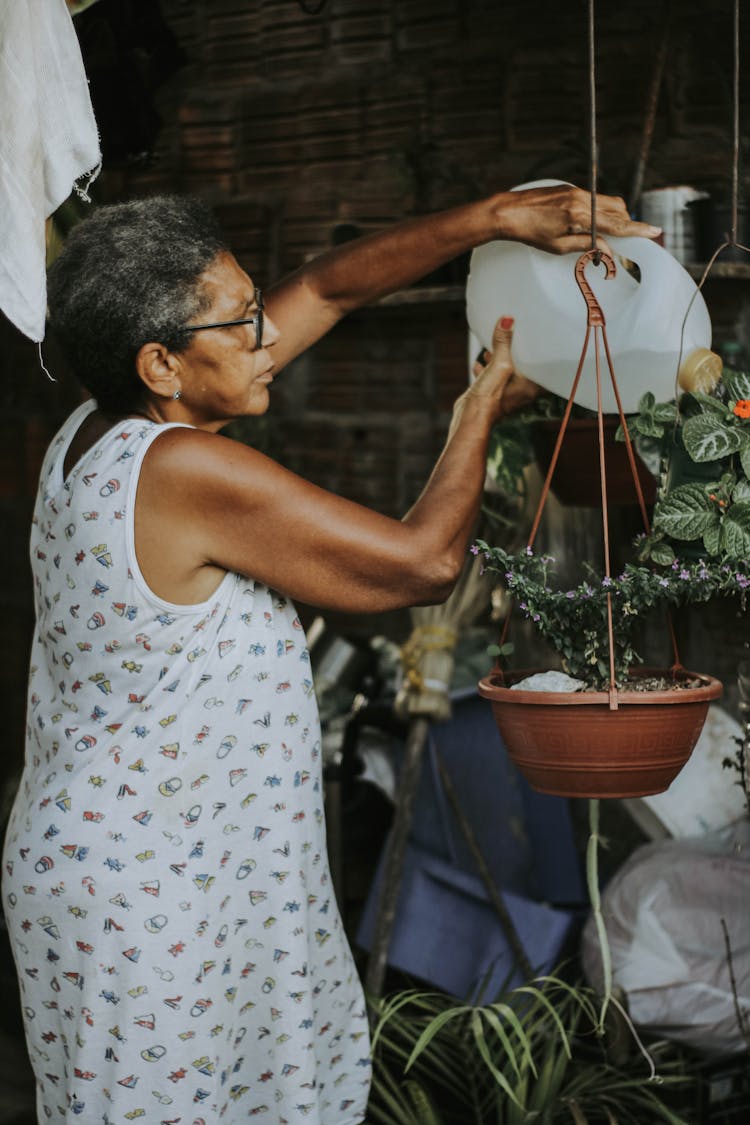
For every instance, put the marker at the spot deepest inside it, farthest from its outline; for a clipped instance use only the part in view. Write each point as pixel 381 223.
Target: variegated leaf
pixel 686 513
pixel 737 384
pixel 707 439
pixel 735 531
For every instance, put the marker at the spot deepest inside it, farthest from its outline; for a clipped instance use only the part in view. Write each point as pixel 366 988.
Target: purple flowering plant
pixel 574 621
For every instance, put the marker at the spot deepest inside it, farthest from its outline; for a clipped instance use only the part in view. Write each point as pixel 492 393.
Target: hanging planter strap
pixel 596 321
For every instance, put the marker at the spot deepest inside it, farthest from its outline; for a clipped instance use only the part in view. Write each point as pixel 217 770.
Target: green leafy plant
pixel 534 1055
pixel 575 621
pixel 712 433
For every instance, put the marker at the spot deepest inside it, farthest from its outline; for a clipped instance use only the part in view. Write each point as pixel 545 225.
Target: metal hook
pixel 596 316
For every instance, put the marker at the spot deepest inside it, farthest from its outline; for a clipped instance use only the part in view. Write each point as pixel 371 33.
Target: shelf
pixel 721 271
pixel 426 295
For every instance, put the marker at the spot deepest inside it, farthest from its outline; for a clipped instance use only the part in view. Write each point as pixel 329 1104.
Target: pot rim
pixel 497 690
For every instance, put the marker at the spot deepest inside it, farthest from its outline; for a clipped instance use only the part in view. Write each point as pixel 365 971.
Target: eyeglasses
pixel 256 319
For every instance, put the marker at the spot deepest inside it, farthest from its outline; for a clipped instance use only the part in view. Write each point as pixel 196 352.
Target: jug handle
pixel 596 316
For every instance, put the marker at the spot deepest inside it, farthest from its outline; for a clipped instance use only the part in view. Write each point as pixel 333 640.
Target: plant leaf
pixel 421 1103
pixel 432 1030
pixel 481 1045
pixel 735 530
pixel 711 405
pixel 741 490
pixel 496 1024
pixel 646 425
pixel 712 539
pixel 667 411
pixel 686 513
pixel 579 1117
pixel 662 554
pixel 707 439
pixel 745 459
pixel 737 384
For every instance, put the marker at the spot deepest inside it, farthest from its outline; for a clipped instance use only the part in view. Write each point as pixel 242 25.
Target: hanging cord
pixel 735 122
pixel 49 374
pixel 592 125
pixel 595 320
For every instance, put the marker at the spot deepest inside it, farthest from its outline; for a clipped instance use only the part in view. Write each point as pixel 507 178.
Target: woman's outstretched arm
pixel 557 219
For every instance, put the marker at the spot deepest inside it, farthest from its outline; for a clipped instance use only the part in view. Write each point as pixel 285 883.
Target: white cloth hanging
pixel 48 141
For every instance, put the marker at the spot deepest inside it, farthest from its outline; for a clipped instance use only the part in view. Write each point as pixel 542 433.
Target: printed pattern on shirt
pixel 165 878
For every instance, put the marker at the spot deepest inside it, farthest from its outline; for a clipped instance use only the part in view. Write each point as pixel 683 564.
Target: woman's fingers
pixel 502 338
pixel 558 219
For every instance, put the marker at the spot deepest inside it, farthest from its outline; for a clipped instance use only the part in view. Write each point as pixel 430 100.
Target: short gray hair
pixel 130 274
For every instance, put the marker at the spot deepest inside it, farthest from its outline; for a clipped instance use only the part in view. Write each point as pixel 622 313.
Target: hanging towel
pixel 48 141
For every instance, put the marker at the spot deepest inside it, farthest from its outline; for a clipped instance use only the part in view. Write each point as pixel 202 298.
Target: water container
pixel 644 305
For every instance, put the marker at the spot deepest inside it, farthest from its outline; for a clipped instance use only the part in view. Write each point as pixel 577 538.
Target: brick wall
pixel 295 126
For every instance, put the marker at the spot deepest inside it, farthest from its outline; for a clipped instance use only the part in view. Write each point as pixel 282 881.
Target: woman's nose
pixel 271 333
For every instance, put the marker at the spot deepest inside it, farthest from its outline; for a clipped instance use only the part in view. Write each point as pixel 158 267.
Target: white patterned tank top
pixel 166 885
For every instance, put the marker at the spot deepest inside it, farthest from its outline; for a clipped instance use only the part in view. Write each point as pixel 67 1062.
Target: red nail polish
pixel 507 322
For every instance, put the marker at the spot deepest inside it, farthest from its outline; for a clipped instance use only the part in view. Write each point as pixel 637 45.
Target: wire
pixel 735 122
pixel 593 141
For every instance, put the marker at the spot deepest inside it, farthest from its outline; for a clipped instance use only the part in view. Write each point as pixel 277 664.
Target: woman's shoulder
pixel 199 455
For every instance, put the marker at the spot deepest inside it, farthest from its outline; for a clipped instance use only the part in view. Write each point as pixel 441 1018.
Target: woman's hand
pixel 558 219
pixel 515 391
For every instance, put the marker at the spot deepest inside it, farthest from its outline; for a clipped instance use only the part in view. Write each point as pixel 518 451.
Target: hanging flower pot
pixel 576 477
pixel 572 744
pixel 616 732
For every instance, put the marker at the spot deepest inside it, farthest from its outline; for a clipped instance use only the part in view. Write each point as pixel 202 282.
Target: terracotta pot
pixel 576 479
pixel 573 745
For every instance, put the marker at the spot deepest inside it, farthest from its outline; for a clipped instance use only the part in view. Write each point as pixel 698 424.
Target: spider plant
pixel 533 1055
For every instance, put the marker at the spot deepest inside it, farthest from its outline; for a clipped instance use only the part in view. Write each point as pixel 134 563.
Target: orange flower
pixel 742 408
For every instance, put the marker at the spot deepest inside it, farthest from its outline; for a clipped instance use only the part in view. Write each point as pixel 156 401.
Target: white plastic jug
pixel 644 319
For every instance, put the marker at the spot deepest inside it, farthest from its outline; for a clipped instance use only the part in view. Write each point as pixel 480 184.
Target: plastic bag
pixel 663 912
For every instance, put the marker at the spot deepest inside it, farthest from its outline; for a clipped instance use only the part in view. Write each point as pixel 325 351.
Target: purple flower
pixel 570 594
pixel 474 549
pixel 664 582
pixel 684 573
pixel 742 581
pixel 607 581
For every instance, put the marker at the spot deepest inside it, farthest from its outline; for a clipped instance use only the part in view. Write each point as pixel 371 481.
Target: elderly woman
pixel 166 887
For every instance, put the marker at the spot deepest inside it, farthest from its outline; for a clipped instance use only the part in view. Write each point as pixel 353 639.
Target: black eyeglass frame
pixel 256 320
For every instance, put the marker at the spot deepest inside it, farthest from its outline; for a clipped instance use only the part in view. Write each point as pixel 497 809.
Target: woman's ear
pixel 158 369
